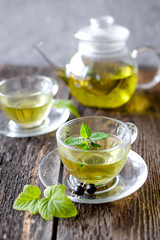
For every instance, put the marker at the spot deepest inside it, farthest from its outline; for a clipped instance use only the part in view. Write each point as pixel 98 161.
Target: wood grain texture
pixel 134 217
pixel 19 160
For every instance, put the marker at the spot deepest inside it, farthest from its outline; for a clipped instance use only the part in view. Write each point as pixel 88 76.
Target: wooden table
pixel 134 217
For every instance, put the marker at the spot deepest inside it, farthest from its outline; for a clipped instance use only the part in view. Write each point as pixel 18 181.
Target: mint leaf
pixel 66 103
pixel 56 203
pixel 95 145
pixel 87 139
pixel 80 164
pixel 98 136
pixel 84 145
pixel 85 131
pixel 73 141
pixel 28 199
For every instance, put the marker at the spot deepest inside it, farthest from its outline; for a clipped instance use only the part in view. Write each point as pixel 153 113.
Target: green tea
pixel 97 167
pixel 106 85
pixel 26 110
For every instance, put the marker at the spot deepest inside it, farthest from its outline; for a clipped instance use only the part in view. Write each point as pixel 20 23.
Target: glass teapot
pixel 103 73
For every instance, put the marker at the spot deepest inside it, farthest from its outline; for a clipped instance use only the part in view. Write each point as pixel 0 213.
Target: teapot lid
pixel 103 29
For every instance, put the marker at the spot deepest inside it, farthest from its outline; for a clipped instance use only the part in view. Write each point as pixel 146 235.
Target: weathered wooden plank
pixel 137 216
pixel 19 164
pixel 19 160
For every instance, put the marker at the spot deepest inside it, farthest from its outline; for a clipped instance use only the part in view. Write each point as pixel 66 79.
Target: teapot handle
pixel 156 78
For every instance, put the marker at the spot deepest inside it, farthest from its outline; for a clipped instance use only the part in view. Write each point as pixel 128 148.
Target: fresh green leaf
pixel 53 190
pixel 56 203
pixel 87 139
pixel 95 145
pixel 98 136
pixel 85 131
pixel 28 199
pixel 66 103
pixel 80 164
pixel 45 209
pixel 73 141
pixel 84 145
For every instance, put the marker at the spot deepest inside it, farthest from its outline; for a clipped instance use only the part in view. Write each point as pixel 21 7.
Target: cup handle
pixel 156 78
pixel 55 87
pixel 134 131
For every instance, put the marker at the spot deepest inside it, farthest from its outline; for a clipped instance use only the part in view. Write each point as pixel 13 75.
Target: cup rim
pixel 93 151
pixel 28 75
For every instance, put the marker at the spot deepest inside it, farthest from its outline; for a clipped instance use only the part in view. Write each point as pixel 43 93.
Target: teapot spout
pixel 60 71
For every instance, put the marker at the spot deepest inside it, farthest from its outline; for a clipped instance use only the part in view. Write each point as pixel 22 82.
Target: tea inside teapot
pixel 103 84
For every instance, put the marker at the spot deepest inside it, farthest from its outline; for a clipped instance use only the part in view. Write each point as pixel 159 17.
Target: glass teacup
pixel 97 166
pixel 27 100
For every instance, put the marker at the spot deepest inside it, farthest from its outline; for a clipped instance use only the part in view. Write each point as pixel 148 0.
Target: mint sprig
pixel 54 203
pixel 66 103
pixel 87 139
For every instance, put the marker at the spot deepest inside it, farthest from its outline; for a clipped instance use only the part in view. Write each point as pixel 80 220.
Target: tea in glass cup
pixel 101 162
pixel 27 100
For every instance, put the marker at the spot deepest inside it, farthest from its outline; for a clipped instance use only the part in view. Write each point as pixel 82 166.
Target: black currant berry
pixel 90 188
pixel 79 184
pixel 79 190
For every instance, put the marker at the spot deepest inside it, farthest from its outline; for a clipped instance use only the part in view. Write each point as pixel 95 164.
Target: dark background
pixel 23 22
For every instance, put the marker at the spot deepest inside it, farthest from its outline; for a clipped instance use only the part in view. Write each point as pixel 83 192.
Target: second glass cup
pixel 27 100
pixel 101 165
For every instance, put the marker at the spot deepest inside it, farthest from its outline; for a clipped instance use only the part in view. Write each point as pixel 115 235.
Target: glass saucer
pixel 54 120
pixel 129 180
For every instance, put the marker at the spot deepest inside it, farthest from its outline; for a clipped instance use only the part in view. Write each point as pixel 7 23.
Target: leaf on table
pixel 56 204
pixel 53 190
pixel 28 199
pixel 66 103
